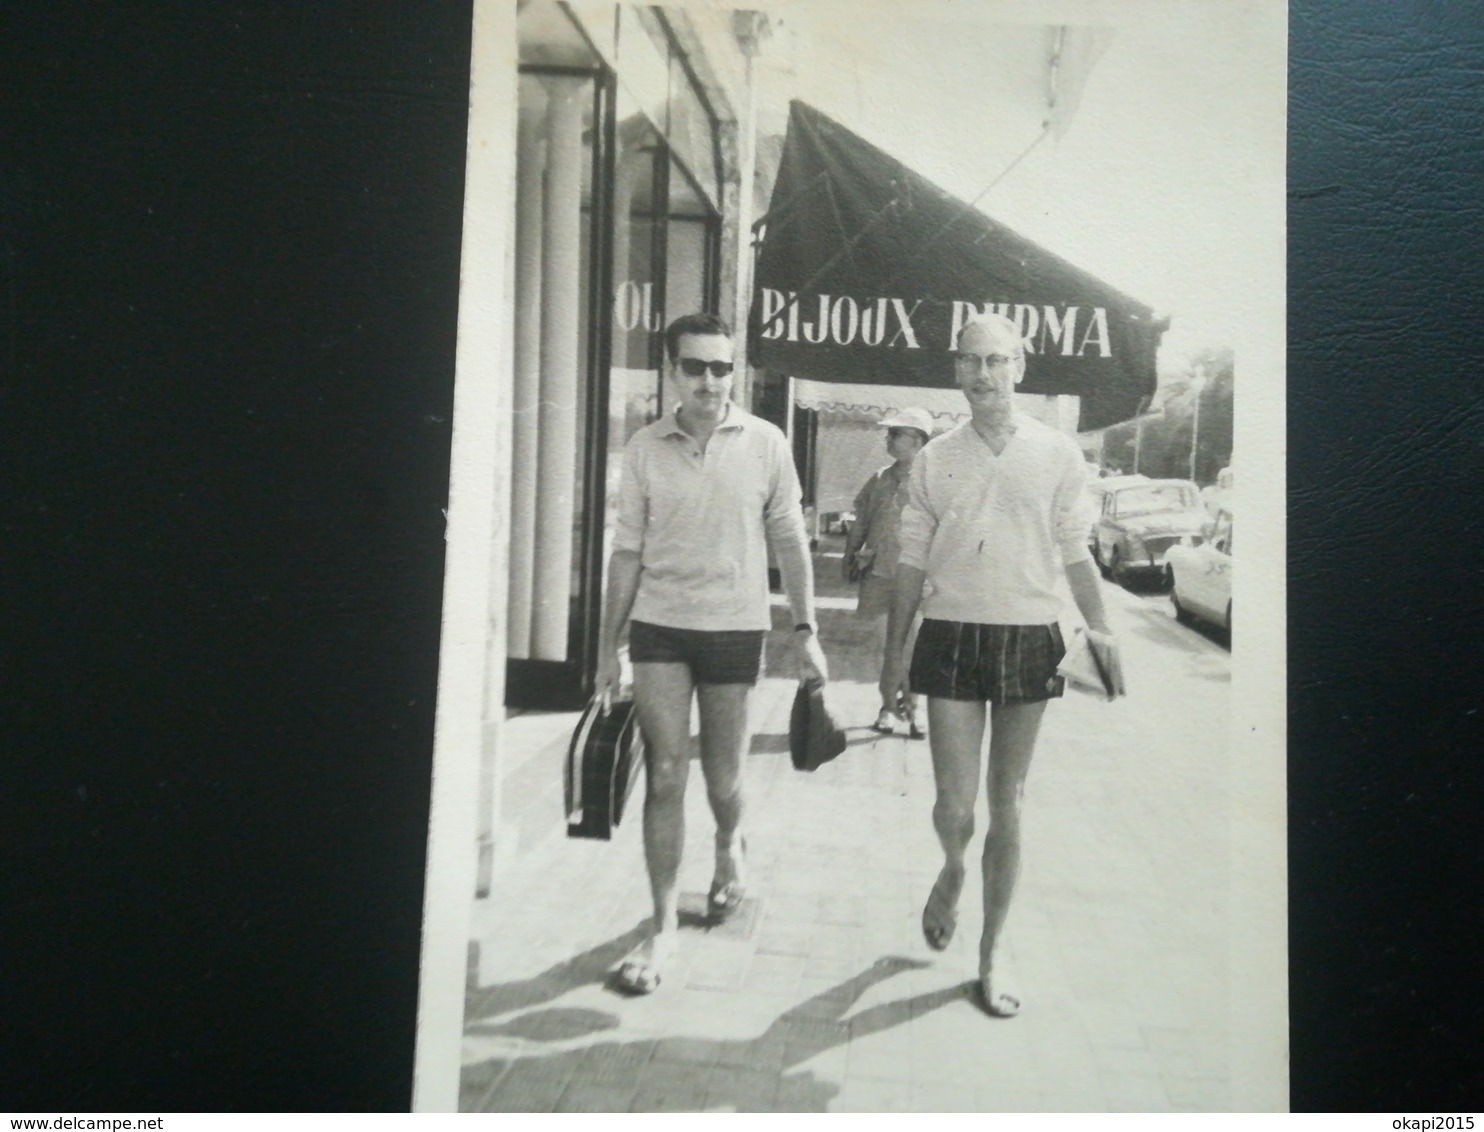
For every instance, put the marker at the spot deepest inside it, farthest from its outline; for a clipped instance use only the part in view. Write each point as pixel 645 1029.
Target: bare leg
pixel 662 695
pixel 913 730
pixel 725 734
pixel 877 626
pixel 957 734
pixel 1012 741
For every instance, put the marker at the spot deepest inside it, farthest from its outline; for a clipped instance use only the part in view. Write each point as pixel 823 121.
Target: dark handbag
pixel 603 761
pixel 814 738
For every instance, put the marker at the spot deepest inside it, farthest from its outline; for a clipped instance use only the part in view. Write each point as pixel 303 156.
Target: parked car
pixel 1140 522
pixel 1096 489
pixel 1201 576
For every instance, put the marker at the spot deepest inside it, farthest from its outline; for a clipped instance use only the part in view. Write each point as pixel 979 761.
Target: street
pixel 821 995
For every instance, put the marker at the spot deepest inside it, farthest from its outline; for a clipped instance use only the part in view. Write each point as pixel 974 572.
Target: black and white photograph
pixel 847 699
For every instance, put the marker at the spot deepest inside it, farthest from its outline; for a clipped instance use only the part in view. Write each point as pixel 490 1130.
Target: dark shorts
pixel 1000 664
pixel 724 656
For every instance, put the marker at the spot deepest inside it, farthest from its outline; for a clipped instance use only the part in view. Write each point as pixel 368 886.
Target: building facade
pixel 628 212
pixel 622 209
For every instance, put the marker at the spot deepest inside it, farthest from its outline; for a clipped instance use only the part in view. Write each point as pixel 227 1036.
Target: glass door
pixel 563 171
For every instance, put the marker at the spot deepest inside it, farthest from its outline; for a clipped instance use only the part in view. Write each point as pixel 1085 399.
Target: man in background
pixel 874 542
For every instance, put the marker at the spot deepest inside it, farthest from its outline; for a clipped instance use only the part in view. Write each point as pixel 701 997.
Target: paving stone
pixel 615 1061
pixel 766 1053
pixel 598 1096
pixel 477 1082
pixel 1134 1092
pixel 877 1061
pixel 670 1088
pixel 532 1084
pixel 996 1099
pixel 941 1096
pixel 1197 1094
pixel 700 1052
pixel 780 939
pixel 736 1089
pixel 874 1095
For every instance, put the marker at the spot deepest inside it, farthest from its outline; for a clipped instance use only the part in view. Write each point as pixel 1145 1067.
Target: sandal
pixel 938 929
pixel 1001 1006
pixel 639 973
pixel 636 977
pixel 726 897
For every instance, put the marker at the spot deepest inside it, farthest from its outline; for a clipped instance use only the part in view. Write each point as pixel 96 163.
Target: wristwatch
pixel 803 627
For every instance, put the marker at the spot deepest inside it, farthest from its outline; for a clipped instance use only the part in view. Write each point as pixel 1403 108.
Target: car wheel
pixel 1182 614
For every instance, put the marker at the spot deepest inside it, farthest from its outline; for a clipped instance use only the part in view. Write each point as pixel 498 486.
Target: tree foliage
pixel 1164 449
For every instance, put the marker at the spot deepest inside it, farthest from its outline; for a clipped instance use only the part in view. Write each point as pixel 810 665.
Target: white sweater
pixel 993 533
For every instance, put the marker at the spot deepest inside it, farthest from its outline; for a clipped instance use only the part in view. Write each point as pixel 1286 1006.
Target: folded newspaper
pixel 1083 669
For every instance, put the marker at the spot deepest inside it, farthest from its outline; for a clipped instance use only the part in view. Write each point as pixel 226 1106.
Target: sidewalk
pixel 821 994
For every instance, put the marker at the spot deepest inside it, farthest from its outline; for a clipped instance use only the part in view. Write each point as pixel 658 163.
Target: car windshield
pixel 1154 499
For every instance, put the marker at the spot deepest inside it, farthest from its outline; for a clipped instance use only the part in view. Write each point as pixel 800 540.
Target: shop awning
pixel 867 272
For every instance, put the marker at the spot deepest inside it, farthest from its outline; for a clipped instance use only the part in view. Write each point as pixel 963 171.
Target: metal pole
pixel 1195 427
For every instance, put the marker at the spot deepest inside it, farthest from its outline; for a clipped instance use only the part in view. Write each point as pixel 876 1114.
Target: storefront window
pixel 616 232
pixel 692 131
pixel 638 290
pixel 690 259
pixel 561 193
pixel 644 64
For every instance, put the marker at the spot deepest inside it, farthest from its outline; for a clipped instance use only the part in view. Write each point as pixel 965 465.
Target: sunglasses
pixel 695 367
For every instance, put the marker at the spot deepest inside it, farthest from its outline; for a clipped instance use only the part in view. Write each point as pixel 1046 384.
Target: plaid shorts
pixel 715 656
pixel 1001 664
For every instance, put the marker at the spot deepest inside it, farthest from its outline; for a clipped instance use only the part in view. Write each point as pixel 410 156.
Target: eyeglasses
pixel 989 361
pixel 695 367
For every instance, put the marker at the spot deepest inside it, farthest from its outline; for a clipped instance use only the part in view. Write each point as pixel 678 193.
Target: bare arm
pixel 1073 519
pixel 791 548
pixel 623 586
pixel 792 552
pixel 1088 594
pixel 784 523
pixel 860 526
pixel 1083 581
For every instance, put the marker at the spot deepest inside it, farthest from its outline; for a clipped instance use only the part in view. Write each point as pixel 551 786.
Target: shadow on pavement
pixel 481 1004
pixel 675 1073
pixel 1168 632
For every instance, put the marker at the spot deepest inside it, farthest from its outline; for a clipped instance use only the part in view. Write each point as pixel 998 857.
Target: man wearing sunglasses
pixel 707 491
pixel 994 517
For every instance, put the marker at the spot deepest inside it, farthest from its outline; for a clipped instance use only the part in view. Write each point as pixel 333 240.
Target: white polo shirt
pixel 993 533
pixel 702 523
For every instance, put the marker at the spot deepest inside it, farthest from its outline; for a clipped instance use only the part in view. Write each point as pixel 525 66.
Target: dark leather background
pixel 1384 524
pixel 230 264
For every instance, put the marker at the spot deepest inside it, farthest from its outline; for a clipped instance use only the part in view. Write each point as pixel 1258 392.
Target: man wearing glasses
pixel 994 514
pixel 707 490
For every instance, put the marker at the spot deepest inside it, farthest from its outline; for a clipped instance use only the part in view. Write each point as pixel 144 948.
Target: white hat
pixel 920 419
